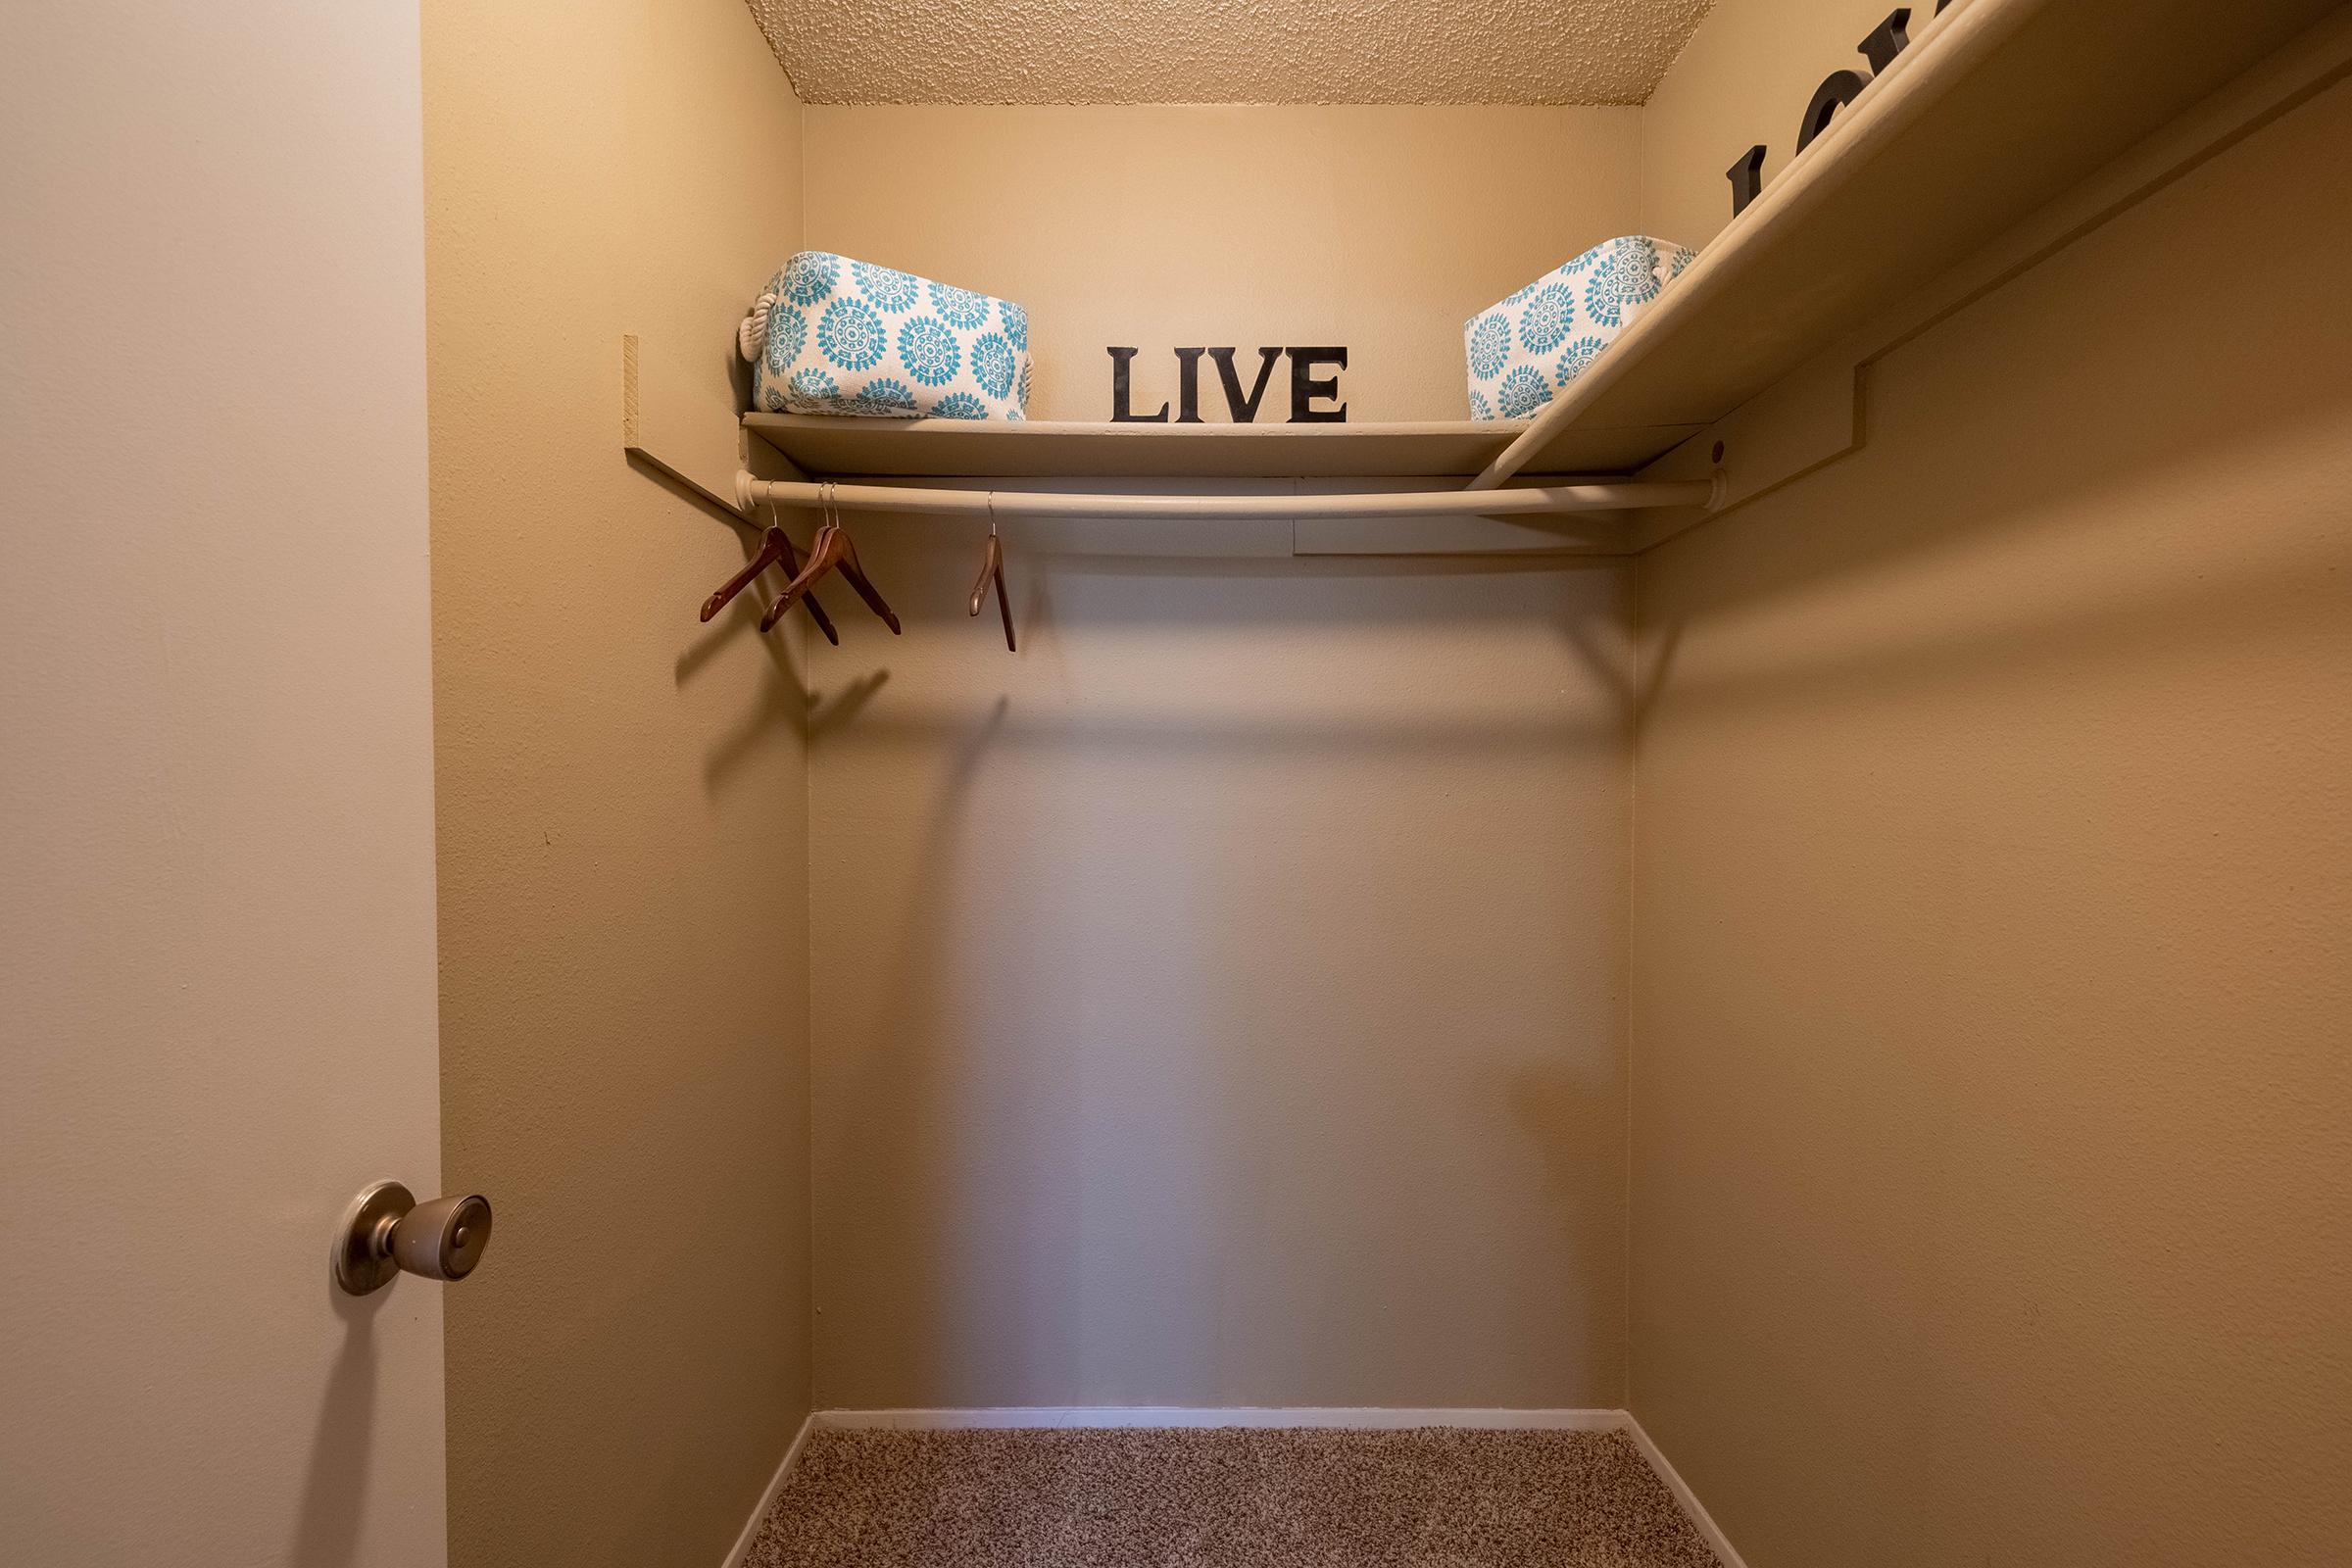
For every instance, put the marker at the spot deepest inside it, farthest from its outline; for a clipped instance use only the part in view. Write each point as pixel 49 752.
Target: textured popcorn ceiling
pixel 1227 51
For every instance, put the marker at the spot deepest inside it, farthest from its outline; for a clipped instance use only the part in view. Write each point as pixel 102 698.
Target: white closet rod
pixel 1532 501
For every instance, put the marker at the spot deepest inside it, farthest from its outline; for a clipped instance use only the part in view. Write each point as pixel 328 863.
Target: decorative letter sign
pixel 1118 393
pixel 1839 88
pixel 1309 392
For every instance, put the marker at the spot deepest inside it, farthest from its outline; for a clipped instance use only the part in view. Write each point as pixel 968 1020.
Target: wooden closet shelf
pixel 1997 110
pixel 827 447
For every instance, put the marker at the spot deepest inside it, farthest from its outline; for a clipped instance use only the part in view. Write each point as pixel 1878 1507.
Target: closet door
pixel 216 983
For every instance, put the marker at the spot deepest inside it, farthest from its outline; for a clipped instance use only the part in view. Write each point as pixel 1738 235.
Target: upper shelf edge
pixel 827 446
pixel 1997 111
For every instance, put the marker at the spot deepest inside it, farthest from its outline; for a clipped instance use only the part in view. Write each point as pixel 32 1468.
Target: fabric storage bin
pixel 1525 348
pixel 832 336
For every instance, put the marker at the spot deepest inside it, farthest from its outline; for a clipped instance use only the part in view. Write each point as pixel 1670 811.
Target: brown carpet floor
pixel 1428 1498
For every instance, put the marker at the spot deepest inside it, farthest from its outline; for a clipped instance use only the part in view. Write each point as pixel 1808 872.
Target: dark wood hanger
pixel 775 548
pixel 832 551
pixel 992 570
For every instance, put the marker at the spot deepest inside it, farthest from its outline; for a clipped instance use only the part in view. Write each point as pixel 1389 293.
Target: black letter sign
pixel 1746 177
pixel 1886 40
pixel 1118 393
pixel 1244 412
pixel 1305 387
pixel 1188 385
pixel 1838 90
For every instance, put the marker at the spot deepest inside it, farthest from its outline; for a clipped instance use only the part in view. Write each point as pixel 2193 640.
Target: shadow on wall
pixel 2112 483
pixel 1218 1003
pixel 782 702
pixel 334 1491
pixel 1989 891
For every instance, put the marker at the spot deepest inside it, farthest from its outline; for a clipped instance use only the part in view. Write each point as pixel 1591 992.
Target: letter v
pixel 1243 412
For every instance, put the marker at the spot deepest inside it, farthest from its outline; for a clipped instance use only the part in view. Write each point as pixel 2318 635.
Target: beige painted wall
pixel 1745 77
pixel 1383 228
pixel 216 787
pixel 1219 1002
pixel 1993 1189
pixel 621 794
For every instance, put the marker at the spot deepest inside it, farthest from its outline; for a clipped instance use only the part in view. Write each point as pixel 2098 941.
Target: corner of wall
pixel 621 794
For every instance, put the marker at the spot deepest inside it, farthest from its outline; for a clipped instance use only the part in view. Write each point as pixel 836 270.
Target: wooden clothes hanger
pixel 992 570
pixel 831 552
pixel 774 546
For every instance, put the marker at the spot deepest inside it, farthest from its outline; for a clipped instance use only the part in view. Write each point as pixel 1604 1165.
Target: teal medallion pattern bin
pixel 1525 348
pixel 833 335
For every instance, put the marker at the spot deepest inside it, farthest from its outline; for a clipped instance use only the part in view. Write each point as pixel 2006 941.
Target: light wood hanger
pixel 992 570
pixel 832 551
pixel 775 548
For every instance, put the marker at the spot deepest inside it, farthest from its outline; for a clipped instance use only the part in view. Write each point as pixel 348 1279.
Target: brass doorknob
pixel 386 1230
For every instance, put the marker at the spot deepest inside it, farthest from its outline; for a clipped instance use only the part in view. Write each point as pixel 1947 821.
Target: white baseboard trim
pixel 1168 1415
pixel 768 1499
pixel 1693 1509
pixel 1160 1416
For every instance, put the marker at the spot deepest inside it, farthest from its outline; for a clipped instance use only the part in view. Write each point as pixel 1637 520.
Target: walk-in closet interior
pixel 1544 786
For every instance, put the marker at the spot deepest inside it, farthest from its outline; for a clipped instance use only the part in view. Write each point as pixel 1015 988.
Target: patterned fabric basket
pixel 1528 346
pixel 830 335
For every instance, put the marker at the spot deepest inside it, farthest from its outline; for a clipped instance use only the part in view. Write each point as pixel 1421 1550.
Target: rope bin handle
pixel 750 334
